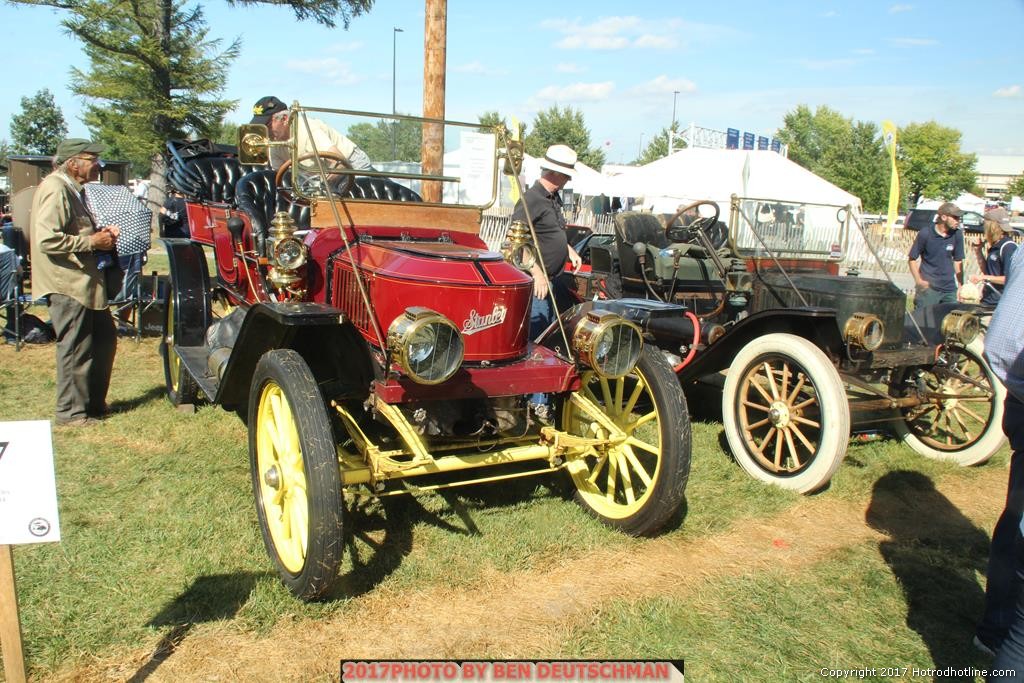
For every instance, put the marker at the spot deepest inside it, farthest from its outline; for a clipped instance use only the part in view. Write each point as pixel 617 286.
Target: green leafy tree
pixel 809 135
pixel 5 153
pixel 657 148
pixel 389 140
pixel 155 74
pixel 40 126
pixel 226 133
pixel 490 119
pixel 556 126
pixel 857 162
pixel 1015 188
pixel 930 162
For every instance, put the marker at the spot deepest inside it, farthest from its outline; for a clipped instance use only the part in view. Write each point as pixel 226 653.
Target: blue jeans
pixel 131 266
pixel 1002 587
pixel 1010 656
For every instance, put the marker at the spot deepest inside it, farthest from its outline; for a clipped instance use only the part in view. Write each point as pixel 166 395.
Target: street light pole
pixel 394 74
pixel 672 128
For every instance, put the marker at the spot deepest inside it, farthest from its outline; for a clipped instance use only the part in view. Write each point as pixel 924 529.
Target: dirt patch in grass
pixel 525 614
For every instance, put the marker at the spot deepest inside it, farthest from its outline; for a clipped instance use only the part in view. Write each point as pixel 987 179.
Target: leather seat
pixel 632 227
pixel 208 179
pixel 257 195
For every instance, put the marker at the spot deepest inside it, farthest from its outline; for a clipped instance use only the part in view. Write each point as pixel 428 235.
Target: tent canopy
pixel 716 174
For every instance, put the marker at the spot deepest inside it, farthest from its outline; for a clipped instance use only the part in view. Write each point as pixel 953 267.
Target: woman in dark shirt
pixel 996 258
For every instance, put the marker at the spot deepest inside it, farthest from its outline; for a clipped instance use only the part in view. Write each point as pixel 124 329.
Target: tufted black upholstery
pixel 257 196
pixel 365 187
pixel 209 179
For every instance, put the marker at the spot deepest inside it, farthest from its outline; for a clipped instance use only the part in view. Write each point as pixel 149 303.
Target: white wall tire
pixel 966 430
pixel 787 419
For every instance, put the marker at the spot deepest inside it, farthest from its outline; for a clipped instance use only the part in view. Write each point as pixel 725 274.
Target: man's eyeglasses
pixel 92 160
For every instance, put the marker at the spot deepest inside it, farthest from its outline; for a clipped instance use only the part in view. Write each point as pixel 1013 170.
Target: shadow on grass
pixel 131 404
pixel 209 598
pixel 934 552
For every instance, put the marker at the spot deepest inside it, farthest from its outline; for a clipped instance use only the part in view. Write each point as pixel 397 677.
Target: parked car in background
pixel 916 219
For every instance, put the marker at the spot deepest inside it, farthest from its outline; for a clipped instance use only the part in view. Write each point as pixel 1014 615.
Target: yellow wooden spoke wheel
pixel 635 481
pixel 295 474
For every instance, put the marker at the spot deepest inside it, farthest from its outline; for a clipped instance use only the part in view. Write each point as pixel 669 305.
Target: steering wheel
pixel 676 234
pixel 313 180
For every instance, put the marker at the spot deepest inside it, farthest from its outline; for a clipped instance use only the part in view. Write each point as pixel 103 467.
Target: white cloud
pixel 896 9
pixel 614 33
pixel 592 42
pixel 663 85
pixel 332 70
pixel 569 68
pixel 576 92
pixel 1009 91
pixel 913 42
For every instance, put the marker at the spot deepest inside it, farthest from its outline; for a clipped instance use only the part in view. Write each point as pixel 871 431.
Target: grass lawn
pixel 160 544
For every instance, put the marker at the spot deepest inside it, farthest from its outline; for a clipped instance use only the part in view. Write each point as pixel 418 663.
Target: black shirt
pixel 174 220
pixel 549 224
pixel 937 254
pixel 997 263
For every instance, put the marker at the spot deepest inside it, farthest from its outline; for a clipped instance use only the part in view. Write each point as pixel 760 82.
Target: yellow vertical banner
pixel 514 190
pixel 889 137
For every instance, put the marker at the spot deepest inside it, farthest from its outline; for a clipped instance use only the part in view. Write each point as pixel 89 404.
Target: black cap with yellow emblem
pixel 266 107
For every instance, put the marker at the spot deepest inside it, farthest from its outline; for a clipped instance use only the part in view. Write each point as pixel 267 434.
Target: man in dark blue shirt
pixel 940 251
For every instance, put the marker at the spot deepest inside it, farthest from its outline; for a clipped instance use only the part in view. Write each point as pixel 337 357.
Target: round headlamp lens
pixel 290 253
pixel 426 345
pixel 608 344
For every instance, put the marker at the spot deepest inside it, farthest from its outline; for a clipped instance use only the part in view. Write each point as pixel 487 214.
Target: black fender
pixel 817 325
pixel 639 311
pixel 191 291
pixel 336 353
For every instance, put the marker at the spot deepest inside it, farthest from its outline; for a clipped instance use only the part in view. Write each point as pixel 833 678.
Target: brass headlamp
pixel 608 343
pixel 287 255
pixel 864 330
pixel 518 246
pixel 961 327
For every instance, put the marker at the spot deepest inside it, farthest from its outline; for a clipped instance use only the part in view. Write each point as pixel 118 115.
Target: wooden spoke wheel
pixel 295 474
pixel 181 388
pixel 961 417
pixel 786 416
pixel 636 484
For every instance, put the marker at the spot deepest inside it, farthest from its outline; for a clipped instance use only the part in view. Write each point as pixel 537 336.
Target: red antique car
pixel 379 348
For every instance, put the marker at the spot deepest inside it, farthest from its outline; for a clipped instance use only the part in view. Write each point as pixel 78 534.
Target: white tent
pixel 716 174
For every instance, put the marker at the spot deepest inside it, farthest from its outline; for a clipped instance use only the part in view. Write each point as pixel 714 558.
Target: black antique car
pixel 799 350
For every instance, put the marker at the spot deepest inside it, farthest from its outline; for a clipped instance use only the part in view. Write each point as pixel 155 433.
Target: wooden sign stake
pixel 10 623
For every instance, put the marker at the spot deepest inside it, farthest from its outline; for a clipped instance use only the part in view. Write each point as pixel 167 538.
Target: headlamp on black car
pixel 608 343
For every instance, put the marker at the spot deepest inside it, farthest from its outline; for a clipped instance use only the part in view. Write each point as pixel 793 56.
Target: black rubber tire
pixel 181 387
pixel 668 469
pixel 312 495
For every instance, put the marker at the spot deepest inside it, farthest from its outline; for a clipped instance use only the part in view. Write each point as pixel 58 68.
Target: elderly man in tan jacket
pixel 65 240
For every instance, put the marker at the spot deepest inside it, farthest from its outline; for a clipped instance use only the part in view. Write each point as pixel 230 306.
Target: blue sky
pixel 740 64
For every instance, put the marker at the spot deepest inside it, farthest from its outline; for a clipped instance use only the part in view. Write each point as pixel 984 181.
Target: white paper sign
pixel 28 489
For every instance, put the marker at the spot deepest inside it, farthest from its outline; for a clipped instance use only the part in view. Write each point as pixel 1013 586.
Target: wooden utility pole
pixel 435 36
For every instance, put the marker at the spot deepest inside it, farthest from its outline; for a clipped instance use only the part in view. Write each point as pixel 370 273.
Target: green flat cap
pixel 72 146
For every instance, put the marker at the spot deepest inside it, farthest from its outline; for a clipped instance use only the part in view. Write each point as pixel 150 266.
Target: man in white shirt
pixel 275 115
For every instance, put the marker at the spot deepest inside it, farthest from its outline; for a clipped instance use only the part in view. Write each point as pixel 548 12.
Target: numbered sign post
pixel 28 514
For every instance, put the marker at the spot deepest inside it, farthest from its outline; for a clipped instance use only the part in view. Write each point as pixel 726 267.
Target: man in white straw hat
pixel 545 207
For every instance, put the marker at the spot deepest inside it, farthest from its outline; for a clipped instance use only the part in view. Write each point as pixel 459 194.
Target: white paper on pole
pixel 28 487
